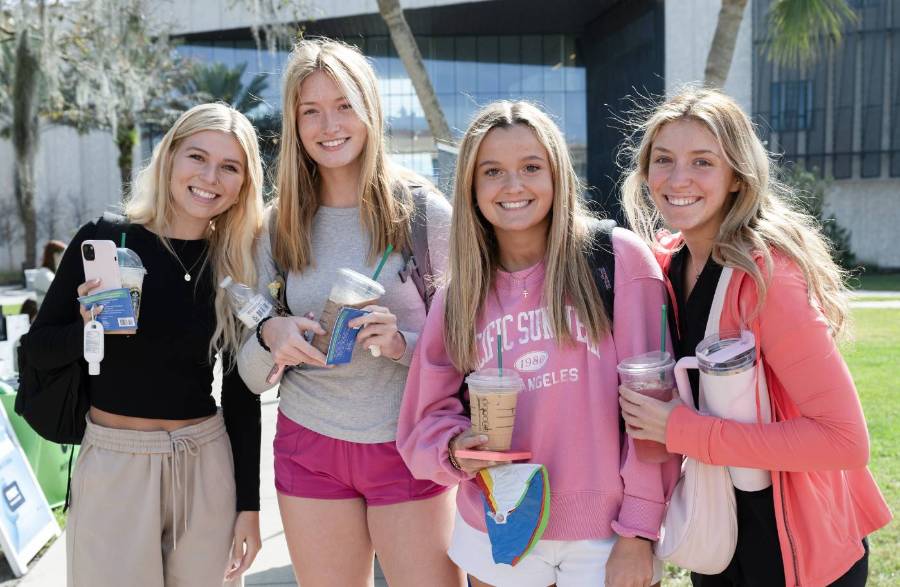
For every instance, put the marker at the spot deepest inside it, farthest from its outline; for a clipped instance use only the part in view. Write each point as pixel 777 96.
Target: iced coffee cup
pixel 650 374
pixel 131 271
pixel 350 289
pixel 493 398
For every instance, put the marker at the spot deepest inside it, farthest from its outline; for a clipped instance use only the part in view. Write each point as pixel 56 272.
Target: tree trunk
pixel 411 57
pixel 126 139
pixel 25 138
pixel 718 62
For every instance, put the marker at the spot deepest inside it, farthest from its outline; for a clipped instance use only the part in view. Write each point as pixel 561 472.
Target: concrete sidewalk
pixel 273 565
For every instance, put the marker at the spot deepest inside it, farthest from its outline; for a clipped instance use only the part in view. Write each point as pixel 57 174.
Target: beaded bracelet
pixel 259 337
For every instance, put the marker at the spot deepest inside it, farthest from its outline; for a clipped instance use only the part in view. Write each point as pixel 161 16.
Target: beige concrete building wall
pixel 690 25
pixel 77 179
pixel 870 210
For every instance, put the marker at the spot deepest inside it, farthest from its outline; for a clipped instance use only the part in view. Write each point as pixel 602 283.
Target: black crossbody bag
pixel 55 402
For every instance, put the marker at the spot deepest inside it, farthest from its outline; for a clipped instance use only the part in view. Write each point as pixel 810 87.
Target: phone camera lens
pixel 88 251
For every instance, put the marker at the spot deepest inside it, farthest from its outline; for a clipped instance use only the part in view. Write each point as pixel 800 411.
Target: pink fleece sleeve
pixel 639 296
pixel 431 412
pixel 823 427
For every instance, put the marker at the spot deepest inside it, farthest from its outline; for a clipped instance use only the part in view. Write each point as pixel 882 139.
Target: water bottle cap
pixel 225 282
pixel 726 351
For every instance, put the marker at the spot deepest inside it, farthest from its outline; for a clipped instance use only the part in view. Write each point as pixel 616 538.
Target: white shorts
pixel 568 563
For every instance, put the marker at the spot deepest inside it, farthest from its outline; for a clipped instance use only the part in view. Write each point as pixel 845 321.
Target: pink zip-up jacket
pixel 826 500
pixel 568 414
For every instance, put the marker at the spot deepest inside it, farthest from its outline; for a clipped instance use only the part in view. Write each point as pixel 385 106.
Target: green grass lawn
pixel 876 298
pixel 877 281
pixel 873 357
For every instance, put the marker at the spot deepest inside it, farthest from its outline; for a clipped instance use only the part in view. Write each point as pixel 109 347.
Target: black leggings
pixel 855 577
pixel 757 559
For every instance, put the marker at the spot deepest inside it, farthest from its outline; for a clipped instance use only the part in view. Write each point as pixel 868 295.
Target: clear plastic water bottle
pixel 249 306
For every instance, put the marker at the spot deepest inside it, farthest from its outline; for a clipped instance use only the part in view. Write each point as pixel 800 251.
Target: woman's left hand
pixel 247 543
pixel 645 417
pixel 630 563
pixel 379 328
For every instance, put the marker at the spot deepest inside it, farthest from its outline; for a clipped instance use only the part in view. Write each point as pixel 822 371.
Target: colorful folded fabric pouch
pixel 516 501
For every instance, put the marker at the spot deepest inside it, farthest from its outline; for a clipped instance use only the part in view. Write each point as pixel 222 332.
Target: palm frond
pixel 800 29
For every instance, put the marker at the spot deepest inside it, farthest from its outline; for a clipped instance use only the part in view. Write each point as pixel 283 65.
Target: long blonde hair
pixel 385 203
pixel 474 251
pixel 760 218
pixel 231 234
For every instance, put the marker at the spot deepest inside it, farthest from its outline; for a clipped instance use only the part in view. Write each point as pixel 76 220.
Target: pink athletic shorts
pixel 309 464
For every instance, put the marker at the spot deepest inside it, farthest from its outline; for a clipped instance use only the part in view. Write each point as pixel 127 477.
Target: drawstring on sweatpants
pixel 69 479
pixel 181 447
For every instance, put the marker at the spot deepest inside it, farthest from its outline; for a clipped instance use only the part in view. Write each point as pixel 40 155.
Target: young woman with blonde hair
pixel 159 464
pixel 343 490
pixel 698 167
pixel 518 268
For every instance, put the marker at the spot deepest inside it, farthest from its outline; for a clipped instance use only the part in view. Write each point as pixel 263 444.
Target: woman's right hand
pixel 284 336
pixel 470 440
pixel 83 290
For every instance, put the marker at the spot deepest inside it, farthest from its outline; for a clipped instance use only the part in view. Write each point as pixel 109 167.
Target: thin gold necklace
pixel 187 272
pixel 524 279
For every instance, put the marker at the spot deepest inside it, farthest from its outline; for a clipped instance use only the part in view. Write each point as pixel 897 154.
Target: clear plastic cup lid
pixel 357 285
pixel 724 351
pixel 652 361
pixel 491 378
pixel 128 258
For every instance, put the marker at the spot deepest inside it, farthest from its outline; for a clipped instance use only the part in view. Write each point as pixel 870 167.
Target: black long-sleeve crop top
pixel 164 370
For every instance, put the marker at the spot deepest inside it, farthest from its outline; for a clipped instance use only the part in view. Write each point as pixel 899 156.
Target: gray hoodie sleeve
pixel 253 361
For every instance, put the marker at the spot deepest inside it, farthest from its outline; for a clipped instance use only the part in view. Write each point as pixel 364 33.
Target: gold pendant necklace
pixel 187 272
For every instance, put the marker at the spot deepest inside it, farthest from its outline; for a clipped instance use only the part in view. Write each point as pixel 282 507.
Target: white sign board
pixel 26 521
pixel 16 326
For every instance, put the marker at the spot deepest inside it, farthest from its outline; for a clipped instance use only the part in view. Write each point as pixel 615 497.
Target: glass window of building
pixel 467 72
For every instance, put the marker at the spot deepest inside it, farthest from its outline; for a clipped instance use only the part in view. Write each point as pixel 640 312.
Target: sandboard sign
pixel 26 521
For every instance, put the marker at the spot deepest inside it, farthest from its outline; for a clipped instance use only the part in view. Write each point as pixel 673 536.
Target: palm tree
pixel 411 57
pixel 24 133
pixel 718 62
pixel 95 67
pixel 796 28
pixel 210 82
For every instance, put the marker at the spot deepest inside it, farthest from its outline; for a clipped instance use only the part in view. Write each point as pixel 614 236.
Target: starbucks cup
pixel 651 374
pixel 493 398
pixel 350 289
pixel 131 270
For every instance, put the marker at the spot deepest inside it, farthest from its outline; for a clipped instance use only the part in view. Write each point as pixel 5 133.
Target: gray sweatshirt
pixel 359 401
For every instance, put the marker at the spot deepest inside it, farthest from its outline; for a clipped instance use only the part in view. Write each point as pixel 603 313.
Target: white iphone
pixel 100 262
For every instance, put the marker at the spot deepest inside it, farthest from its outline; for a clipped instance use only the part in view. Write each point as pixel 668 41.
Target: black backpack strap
pixel 110 226
pixel 417 258
pixel 602 262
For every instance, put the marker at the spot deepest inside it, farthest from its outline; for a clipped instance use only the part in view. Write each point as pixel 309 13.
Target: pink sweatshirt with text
pixel 568 414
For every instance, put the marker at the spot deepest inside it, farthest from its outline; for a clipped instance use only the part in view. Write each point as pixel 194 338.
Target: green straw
pixel 122 241
pixel 384 258
pixel 662 330
pixel 500 353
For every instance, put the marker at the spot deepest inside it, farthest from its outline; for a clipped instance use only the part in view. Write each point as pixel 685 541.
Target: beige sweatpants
pixel 152 509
